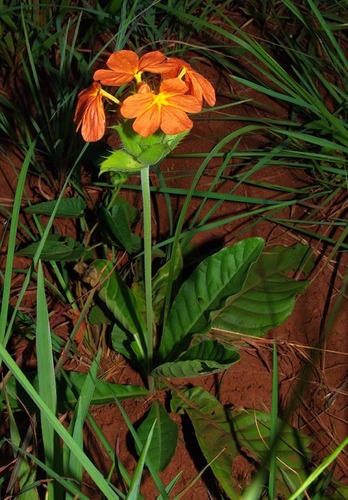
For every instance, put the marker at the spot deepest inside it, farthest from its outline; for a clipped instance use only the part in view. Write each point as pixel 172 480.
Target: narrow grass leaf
pixel 46 376
pixel 58 427
pixel 134 489
pixel 75 469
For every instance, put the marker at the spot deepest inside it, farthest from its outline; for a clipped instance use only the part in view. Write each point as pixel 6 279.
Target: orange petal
pixel 172 67
pixel 112 78
pixel 152 62
pixel 174 121
pixel 123 65
pixel 135 104
pixel 173 86
pixel 148 122
pixel 187 103
pixel 200 87
pixel 93 123
pixel 126 60
pixel 143 88
pixel 89 115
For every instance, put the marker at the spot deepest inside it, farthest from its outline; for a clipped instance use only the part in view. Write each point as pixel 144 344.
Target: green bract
pixel 139 152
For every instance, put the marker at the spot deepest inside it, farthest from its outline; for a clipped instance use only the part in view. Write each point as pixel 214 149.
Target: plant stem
pixel 145 187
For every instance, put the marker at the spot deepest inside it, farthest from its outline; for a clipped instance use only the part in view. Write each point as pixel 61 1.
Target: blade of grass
pixel 47 381
pixel 274 431
pixel 319 470
pixel 74 468
pixel 6 290
pixel 133 493
pixel 58 427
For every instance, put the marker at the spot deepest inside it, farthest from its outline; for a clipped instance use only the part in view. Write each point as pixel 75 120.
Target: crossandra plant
pixel 162 322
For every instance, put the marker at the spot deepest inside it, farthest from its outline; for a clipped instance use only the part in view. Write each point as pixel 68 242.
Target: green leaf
pixel 120 161
pixel 252 429
pixel 97 316
pixel 160 284
pixel 147 150
pixel 46 377
pixel 30 392
pixel 69 386
pixel 153 154
pixel 134 487
pixel 211 283
pixel 79 416
pixel 114 225
pixel 129 138
pixel 203 358
pixel 218 429
pixel 122 343
pixel 268 297
pixel 120 301
pixel 68 207
pixel 213 434
pixel 165 436
pixel 56 248
pixel 131 212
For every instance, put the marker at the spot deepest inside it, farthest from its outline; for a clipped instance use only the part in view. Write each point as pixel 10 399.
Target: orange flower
pixel 90 115
pixel 165 110
pixel 125 65
pixel 198 86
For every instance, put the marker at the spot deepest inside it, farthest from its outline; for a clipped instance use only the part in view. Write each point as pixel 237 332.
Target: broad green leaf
pixel 122 342
pixel 129 139
pixel 120 161
pixel 203 358
pixel 160 283
pixel 268 296
pixel 132 214
pixel 219 429
pixel 56 248
pixel 104 392
pixel 213 281
pixel 120 301
pixel 252 428
pixel 97 316
pixel 114 225
pixel 213 433
pixel 153 154
pixel 165 436
pixel 68 207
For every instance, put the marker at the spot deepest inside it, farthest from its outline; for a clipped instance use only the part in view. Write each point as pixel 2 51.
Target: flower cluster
pixel 181 91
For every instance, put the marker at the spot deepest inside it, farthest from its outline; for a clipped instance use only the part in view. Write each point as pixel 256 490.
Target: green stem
pixel 145 187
